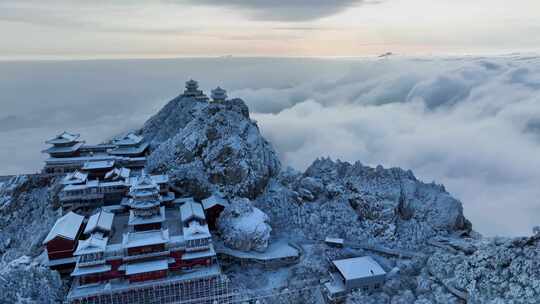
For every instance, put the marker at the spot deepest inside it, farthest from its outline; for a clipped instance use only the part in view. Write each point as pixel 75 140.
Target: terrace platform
pixel 279 253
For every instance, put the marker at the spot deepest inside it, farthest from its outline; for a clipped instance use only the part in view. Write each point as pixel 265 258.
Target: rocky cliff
pixel 27 213
pixel 210 146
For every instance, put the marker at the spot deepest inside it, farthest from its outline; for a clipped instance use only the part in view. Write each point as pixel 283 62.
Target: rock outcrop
pixel 360 203
pixel 210 146
pixel 27 214
pixel 244 227
pixel 501 270
pixel 23 280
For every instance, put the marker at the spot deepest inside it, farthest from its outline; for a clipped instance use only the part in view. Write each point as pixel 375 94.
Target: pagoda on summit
pixel 146 212
pixel 192 90
pixel 219 94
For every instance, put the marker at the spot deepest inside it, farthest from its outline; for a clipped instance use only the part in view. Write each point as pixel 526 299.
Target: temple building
pixel 192 90
pixel 146 211
pixel 130 145
pixel 84 194
pixel 97 169
pixel 213 206
pixel 61 241
pixel 64 145
pixel 354 273
pixel 69 154
pixel 145 248
pixel 219 94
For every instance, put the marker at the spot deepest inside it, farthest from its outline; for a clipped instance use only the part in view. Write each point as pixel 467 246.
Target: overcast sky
pixel 171 28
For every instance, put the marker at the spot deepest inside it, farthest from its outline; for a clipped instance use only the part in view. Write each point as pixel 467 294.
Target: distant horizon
pixel 104 57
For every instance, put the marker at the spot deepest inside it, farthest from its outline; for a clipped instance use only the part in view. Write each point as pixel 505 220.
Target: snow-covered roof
pixel 360 267
pixel 334 240
pixel 63 149
pixel 80 271
pixel 88 184
pixel 97 165
pixel 191 83
pixel 214 200
pixel 66 227
pixel 196 231
pixel 130 150
pixel 278 249
pixel 102 220
pixel 150 266
pixel 118 173
pixel 142 183
pixel 145 238
pixel 160 179
pixel 95 243
pixel 190 211
pixel 128 140
pixel 63 138
pixel 76 177
pixel 141 203
pixel 219 94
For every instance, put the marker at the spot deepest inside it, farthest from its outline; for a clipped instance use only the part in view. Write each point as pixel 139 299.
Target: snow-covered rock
pixel 501 270
pixel 357 202
pixel 244 227
pixel 210 146
pixel 22 281
pixel 26 216
pixel 10 188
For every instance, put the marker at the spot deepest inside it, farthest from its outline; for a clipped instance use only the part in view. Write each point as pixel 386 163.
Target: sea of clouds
pixel 471 123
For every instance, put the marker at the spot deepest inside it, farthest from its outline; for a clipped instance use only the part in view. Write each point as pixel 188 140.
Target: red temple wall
pixel 114 272
pixel 60 248
pixel 147 276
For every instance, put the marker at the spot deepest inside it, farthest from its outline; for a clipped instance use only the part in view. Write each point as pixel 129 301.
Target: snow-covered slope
pixel 210 146
pixel 27 213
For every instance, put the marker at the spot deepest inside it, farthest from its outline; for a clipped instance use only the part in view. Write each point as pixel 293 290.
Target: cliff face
pixel 210 146
pixel 27 213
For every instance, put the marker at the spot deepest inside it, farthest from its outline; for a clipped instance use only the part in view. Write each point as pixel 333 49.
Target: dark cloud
pixel 285 10
pixel 74 13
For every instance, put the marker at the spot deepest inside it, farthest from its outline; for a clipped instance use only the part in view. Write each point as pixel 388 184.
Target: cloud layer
pixel 472 124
